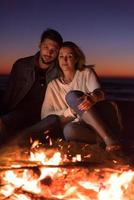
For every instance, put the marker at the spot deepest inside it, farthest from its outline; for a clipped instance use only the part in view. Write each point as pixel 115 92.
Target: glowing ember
pixel 48 180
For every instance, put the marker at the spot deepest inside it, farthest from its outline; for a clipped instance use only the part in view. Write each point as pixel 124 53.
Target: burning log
pixel 85 173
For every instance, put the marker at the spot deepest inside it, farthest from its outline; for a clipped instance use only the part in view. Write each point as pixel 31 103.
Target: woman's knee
pixel 73 100
pixel 73 95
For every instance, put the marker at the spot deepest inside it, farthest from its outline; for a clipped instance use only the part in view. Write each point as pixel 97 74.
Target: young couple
pixel 73 102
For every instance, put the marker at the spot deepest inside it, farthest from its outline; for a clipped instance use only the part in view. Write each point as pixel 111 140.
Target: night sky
pixel 104 29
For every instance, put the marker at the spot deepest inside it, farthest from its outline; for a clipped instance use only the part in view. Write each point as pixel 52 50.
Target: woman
pixel 76 97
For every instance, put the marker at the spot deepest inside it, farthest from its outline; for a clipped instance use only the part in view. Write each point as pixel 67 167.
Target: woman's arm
pixel 50 105
pixel 95 93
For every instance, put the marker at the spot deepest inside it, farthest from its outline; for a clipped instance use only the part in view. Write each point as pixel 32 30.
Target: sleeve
pixel 96 92
pixel 92 81
pixel 48 106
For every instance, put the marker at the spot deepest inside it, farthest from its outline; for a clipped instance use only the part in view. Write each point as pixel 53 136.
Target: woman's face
pixel 67 59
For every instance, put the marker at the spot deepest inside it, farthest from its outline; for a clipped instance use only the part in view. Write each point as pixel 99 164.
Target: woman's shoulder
pixel 87 69
pixel 54 82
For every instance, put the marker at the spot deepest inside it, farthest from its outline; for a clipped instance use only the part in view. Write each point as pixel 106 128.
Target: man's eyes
pixel 53 50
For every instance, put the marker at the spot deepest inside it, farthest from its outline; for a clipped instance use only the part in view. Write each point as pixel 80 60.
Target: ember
pixel 52 173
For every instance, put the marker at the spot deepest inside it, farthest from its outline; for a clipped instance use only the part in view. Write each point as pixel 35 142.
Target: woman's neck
pixel 68 76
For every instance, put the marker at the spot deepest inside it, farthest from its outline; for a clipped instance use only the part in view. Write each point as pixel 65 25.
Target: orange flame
pixel 56 182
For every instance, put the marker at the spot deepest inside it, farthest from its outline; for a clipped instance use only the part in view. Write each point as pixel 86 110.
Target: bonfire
pixel 64 170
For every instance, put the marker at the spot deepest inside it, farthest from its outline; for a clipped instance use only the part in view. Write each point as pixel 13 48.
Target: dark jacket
pixel 21 80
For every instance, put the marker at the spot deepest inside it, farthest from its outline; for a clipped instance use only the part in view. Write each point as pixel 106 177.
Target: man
pixel 21 104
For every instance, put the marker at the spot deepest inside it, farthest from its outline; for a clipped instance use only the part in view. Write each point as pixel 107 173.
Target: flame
pixel 62 183
pixel 115 185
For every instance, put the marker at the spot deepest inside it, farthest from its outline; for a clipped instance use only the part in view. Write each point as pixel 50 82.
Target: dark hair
pixel 52 35
pixel 78 53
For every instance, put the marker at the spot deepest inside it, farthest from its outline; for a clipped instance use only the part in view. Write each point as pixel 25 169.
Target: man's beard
pixel 46 62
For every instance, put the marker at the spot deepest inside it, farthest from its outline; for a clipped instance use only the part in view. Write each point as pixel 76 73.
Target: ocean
pixel 121 89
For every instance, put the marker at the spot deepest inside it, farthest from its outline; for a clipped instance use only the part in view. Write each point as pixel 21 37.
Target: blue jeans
pixel 73 100
pixel 82 132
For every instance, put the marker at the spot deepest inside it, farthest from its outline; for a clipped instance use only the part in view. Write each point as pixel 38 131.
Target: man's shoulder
pixel 24 63
pixel 27 59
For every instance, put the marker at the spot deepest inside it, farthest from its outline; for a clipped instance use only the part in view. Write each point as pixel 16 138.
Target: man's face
pixel 49 50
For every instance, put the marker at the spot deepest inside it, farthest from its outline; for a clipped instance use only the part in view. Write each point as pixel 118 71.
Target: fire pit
pixel 68 171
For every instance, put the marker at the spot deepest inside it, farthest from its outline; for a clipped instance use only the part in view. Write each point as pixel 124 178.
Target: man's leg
pixel 4 132
pixel 13 122
pixel 51 125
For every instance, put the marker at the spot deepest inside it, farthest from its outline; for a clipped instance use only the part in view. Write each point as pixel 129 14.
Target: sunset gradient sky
pixel 104 29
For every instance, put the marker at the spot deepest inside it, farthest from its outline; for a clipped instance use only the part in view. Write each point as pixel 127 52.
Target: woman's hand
pixel 86 103
pixel 90 99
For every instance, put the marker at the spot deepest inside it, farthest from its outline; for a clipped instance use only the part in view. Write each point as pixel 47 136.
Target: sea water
pixel 116 88
pixel 119 88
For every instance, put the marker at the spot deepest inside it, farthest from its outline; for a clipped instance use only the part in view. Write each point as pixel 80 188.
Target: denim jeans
pixel 106 110
pixel 73 100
